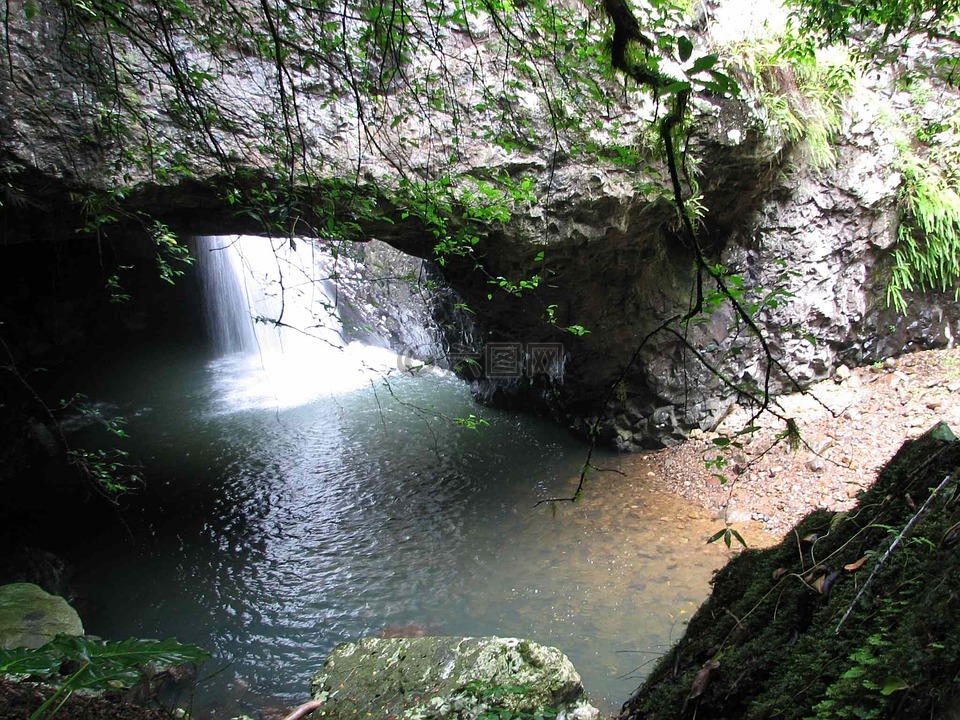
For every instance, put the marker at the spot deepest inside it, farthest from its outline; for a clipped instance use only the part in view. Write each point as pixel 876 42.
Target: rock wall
pixel 611 262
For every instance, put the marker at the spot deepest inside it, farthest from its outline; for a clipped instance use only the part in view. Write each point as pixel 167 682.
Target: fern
pixel 927 253
pixel 802 96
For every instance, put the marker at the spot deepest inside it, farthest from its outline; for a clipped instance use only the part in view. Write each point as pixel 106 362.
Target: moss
pixel 771 622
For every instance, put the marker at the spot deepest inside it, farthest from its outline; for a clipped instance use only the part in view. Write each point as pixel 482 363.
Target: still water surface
pixel 270 531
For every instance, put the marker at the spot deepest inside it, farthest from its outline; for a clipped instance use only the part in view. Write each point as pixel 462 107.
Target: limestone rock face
pixel 31 617
pixel 448 677
pixel 606 235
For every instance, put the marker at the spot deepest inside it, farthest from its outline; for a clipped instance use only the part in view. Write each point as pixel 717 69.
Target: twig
pixel 303 710
pixel 889 552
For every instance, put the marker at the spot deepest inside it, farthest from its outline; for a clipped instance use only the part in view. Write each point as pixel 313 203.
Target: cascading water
pixel 284 514
pixel 272 316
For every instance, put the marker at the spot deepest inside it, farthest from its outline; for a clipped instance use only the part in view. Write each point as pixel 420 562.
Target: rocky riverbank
pixel 850 426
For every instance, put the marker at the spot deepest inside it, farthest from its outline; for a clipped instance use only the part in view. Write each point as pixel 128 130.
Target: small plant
pixel 108 470
pixel 495 702
pixel 170 254
pixel 471 421
pixel 927 253
pixel 92 664
pixel 802 96
pixel 728 534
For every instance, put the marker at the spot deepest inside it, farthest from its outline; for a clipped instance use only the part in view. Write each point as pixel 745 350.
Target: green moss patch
pixel 832 623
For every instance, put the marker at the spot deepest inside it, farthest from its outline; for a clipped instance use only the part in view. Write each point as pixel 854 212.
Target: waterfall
pixel 271 313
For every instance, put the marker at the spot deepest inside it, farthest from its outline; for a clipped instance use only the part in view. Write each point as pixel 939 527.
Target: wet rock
pixel 449 677
pixel 27 564
pixel 31 617
pixel 608 246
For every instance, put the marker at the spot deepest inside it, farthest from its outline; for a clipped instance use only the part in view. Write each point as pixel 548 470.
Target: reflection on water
pixel 270 534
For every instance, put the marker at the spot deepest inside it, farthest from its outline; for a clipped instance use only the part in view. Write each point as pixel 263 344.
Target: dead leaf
pixel 818 584
pixel 779 573
pixel 702 679
pixel 851 567
pixel 811 538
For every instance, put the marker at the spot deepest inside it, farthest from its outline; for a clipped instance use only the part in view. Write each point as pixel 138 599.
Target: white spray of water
pixel 272 313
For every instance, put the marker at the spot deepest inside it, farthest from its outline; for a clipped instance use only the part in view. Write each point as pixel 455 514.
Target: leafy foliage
pixel 802 95
pixel 92 664
pixel 840 20
pixel 927 254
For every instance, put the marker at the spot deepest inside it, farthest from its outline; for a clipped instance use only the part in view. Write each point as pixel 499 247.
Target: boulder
pixel 449 677
pixel 31 617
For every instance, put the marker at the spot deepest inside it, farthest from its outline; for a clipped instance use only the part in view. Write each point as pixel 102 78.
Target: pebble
pixel 780 485
pixel 816 464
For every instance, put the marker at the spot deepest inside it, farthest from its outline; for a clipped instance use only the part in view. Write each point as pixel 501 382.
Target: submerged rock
pixel 31 617
pixel 449 677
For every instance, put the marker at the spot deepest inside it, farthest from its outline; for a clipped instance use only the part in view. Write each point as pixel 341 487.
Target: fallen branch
pixel 303 710
pixel 889 552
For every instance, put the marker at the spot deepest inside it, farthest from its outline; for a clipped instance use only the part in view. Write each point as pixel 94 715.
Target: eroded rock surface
pixel 606 234
pixel 448 677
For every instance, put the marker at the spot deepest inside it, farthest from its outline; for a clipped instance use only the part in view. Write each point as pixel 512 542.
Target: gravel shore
pixel 850 426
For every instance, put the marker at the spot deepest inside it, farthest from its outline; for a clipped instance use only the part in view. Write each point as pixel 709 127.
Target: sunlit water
pixel 301 492
pixel 270 533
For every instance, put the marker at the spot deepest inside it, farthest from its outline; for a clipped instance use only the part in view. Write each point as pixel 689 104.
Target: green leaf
pixel 703 63
pixel 717 535
pixel 739 538
pixel 893 684
pixel 676 87
pixel 24 661
pixel 685 48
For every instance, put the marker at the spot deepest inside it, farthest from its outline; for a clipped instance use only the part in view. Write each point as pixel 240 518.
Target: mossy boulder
pixel 854 615
pixel 31 617
pixel 449 677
